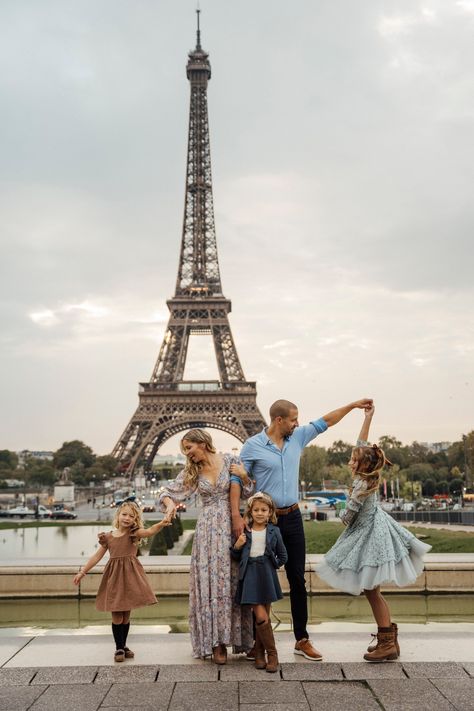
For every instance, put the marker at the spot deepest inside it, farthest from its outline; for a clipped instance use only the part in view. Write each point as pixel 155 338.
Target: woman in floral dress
pixel 215 620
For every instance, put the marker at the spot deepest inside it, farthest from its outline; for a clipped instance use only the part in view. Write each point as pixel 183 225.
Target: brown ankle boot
pixel 260 662
pixel 266 635
pixel 385 650
pixel 375 644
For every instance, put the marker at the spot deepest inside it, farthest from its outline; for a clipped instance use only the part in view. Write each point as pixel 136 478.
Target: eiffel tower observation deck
pixel 168 404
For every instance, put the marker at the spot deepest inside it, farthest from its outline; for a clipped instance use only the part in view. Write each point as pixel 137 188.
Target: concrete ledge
pixel 169 575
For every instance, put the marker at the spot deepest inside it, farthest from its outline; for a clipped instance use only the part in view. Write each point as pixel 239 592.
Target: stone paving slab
pixel 65 675
pixel 434 670
pixel 469 667
pixel 142 694
pixel 409 695
pixel 122 674
pixel 277 692
pixel 22 677
pixel 362 671
pixel 86 697
pixel 11 646
pixel 205 696
pixel 246 671
pixel 275 707
pixel 188 672
pixel 334 696
pixel 460 692
pixel 324 671
pixel 19 698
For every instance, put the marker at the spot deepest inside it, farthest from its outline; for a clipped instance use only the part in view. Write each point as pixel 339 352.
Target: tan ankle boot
pixel 260 662
pixel 266 635
pixel 385 650
pixel 375 644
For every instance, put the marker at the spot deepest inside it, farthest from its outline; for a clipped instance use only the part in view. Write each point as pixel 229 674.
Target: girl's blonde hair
pixel 267 499
pixel 191 469
pixel 370 462
pixel 135 512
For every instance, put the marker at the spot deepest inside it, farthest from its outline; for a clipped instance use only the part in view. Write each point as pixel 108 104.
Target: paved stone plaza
pixel 240 687
pixel 72 670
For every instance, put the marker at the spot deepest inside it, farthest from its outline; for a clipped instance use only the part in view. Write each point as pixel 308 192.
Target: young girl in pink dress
pixel 124 585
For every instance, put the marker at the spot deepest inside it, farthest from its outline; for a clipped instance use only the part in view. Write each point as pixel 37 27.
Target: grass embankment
pixel 321 535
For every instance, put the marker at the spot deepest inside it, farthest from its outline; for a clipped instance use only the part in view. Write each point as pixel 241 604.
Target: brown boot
pixel 219 654
pixel 375 644
pixel 266 635
pixel 260 662
pixel 385 650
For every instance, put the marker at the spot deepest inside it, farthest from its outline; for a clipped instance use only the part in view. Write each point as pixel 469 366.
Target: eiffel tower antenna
pixel 168 404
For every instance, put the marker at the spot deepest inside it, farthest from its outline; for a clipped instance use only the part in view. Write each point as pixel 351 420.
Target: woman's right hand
pixel 170 511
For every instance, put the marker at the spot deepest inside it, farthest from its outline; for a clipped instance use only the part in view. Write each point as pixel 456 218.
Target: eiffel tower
pixel 168 404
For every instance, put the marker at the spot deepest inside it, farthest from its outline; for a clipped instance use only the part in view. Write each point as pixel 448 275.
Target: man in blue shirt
pixel 272 458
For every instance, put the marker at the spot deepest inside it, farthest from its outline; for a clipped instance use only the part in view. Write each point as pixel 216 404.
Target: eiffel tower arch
pixel 168 404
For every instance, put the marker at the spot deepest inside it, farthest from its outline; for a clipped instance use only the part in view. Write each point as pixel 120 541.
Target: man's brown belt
pixel 283 512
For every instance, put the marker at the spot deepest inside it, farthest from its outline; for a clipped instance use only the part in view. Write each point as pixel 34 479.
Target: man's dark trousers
pixel 292 532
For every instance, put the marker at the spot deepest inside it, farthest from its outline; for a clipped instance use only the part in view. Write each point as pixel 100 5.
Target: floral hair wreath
pixel 260 495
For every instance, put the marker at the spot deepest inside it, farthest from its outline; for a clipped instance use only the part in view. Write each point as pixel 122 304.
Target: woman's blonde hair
pixel 135 512
pixel 370 462
pixel 191 469
pixel 267 499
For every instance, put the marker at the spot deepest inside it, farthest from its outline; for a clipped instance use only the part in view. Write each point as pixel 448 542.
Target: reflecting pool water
pixel 173 611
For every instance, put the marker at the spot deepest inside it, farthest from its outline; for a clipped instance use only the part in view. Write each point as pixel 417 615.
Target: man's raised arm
pixel 332 418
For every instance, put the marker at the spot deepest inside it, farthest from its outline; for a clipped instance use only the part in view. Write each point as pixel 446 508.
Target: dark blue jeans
pixel 292 532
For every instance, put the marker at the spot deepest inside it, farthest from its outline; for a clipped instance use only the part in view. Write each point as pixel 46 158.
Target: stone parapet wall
pixel 169 575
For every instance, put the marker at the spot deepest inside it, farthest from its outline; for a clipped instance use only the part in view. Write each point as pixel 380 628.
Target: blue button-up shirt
pixel 275 470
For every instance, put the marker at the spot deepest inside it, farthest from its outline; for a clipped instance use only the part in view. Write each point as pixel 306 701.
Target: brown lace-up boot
pixel 266 635
pixel 385 650
pixel 374 644
pixel 259 649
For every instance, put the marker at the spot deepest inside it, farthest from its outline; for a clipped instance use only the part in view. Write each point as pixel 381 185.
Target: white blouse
pixel 258 543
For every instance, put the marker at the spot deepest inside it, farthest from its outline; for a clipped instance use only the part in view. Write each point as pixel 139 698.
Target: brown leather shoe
pixel 306 649
pixel 128 653
pixel 251 654
pixel 119 655
pixel 219 654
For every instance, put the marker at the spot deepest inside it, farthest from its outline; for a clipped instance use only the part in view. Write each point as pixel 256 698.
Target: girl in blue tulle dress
pixel 374 548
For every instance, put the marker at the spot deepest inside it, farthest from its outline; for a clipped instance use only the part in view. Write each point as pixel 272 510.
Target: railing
pixel 464 518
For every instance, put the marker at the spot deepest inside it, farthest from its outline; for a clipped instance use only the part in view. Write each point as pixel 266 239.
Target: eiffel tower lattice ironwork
pixel 167 403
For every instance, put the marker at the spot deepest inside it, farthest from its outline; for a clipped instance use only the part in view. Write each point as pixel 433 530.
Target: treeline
pixel 84 467
pixel 446 472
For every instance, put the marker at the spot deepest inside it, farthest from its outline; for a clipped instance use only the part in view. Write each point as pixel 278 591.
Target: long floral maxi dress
pixel 214 617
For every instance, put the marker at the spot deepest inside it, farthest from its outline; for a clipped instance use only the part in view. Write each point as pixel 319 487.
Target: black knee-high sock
pixel 118 635
pixel 125 628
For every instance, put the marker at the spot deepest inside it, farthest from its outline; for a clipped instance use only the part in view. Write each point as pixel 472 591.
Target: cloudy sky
pixel 342 148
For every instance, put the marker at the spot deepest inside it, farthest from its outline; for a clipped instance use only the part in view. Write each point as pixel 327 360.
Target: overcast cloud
pixel 342 148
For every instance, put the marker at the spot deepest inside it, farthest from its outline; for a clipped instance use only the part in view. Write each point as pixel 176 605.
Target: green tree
pixel 339 452
pixel 108 463
pixel 313 465
pixel 429 487
pixel 8 460
pixel 42 474
pixel 442 487
pixel 394 450
pixel 73 452
pixel 455 487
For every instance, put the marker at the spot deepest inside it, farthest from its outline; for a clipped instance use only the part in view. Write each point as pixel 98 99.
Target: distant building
pixel 31 454
pixel 169 459
pixel 14 483
pixel 436 447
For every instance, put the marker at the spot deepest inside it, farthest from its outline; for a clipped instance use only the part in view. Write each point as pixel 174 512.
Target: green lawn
pixel 321 535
